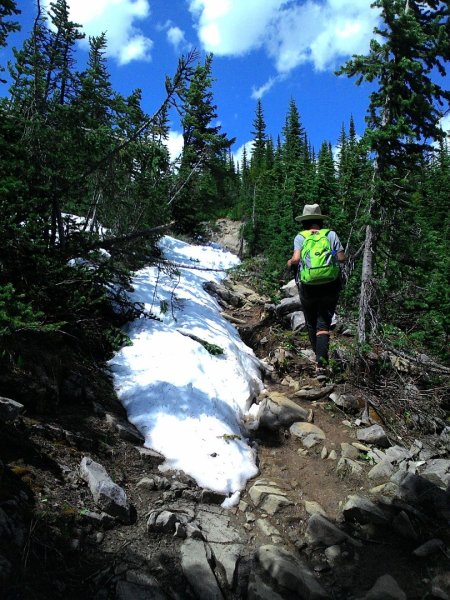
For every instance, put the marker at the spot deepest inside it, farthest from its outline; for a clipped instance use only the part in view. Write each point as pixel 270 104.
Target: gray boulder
pixel 109 496
pixel 289 571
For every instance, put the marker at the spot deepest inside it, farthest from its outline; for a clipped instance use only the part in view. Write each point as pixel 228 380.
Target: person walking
pixel 318 253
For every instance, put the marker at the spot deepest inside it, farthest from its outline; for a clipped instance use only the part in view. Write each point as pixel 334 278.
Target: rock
pixel 332 455
pixel 297 320
pixel 223 294
pixel 363 511
pixel 324 453
pixel 314 508
pixel 216 527
pixel 245 292
pixel 428 548
pixel 5 569
pixel 226 558
pixel 419 491
pixel 321 532
pixel 438 472
pixel 385 588
pixel 314 393
pixel 403 526
pixel 440 586
pixel 361 447
pixel 290 572
pixel 346 402
pixel 290 290
pixel 333 554
pixel 163 521
pixel 396 454
pixel 267 528
pixel 150 456
pixel 102 519
pixel 268 497
pixel 307 430
pixel 347 465
pixel 373 435
pixel 287 306
pixel 10 409
pixel 211 497
pixel 127 590
pixel 381 471
pixel 376 455
pixel 146 483
pixel 278 411
pixel 197 570
pixel 109 496
pixel 258 590
pixel 349 451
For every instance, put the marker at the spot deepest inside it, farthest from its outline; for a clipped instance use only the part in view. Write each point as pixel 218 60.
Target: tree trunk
pixel 365 300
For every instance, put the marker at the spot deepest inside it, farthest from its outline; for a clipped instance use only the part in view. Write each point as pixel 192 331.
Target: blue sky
pixel 269 49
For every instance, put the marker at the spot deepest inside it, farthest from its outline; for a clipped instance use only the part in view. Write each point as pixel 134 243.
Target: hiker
pixel 318 253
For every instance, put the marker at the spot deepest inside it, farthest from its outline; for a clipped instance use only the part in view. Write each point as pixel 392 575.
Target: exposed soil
pixel 69 555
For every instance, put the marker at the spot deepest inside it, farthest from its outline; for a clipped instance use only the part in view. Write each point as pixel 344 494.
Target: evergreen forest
pixel 71 145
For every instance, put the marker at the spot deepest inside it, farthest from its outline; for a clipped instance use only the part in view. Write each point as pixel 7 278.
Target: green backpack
pixel 317 265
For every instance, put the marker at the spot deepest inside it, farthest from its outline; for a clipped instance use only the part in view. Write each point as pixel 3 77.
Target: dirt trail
pixel 72 553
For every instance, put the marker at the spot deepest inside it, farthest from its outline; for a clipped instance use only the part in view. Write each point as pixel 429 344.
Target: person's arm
pixel 341 257
pixel 295 258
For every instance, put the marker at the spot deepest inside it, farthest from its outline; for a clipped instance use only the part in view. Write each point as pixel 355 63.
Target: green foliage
pixel 212 348
pixel 70 144
pixel 18 314
pixel 206 179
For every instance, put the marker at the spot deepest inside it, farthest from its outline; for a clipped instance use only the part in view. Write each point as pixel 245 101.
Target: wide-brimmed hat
pixel 311 212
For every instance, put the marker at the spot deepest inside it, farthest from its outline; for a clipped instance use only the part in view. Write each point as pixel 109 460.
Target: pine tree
pixel 404 113
pixel 326 183
pixel 203 164
pixel 7 9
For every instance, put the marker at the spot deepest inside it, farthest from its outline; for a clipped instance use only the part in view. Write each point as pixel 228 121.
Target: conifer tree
pixel 404 113
pixel 8 8
pixel 203 163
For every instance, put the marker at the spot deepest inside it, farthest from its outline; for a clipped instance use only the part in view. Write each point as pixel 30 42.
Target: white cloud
pixel 117 19
pixel 323 33
pixel 175 144
pixel 175 36
pixel 233 27
pixel 238 155
pixel 445 125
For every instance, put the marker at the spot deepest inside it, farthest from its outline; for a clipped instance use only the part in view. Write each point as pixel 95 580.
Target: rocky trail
pixel 341 508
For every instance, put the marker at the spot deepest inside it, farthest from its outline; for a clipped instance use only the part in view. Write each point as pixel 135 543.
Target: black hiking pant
pixel 319 305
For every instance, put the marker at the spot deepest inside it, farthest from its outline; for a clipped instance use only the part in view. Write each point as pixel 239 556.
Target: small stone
pixel 332 455
pixel 381 471
pixel 346 465
pixel 301 430
pixel 324 453
pixel 320 531
pixel 314 393
pixel 349 451
pixel 10 409
pixel 267 528
pixel 440 586
pixel 402 525
pixel 361 447
pixel 428 548
pixel 314 508
pixel 363 511
pixel 373 435
pixel 385 588
pixel 290 572
pixel 333 554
